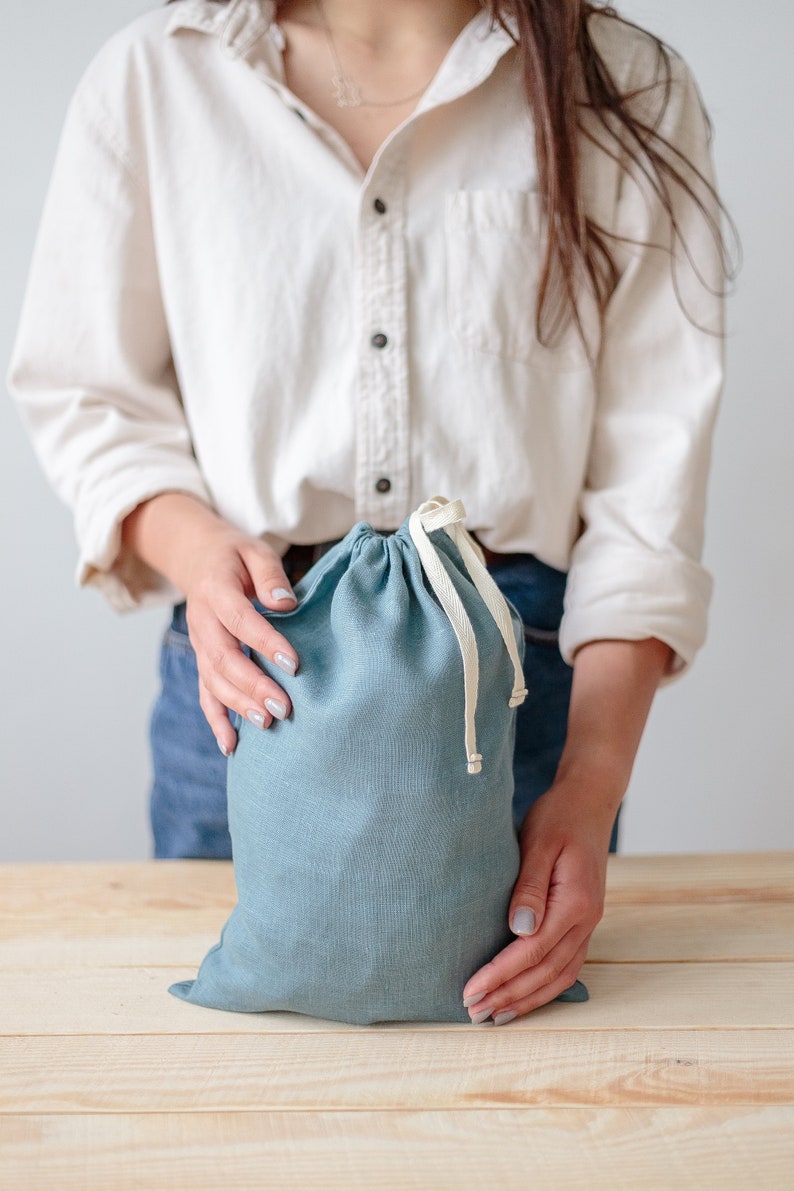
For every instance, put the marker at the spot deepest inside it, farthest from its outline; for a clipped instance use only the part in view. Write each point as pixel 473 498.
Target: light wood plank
pixel 618 1149
pixel 109 946
pixel 635 996
pixel 60 891
pixel 756 931
pixel 698 933
pixel 701 877
pixel 395 1070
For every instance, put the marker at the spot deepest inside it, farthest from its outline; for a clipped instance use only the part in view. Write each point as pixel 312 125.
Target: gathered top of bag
pixel 439 513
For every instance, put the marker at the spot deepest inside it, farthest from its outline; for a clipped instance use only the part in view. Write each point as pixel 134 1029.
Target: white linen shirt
pixel 222 301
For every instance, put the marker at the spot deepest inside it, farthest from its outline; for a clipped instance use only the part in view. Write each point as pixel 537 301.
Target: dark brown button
pixel 380 206
pixel 383 484
pixel 379 340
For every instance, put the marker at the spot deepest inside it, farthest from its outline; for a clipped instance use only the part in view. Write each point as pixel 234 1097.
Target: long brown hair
pixel 564 75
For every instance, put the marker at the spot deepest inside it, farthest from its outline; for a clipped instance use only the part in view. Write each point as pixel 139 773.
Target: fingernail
pixel 501 1018
pixel 472 1000
pixel 256 718
pixel 523 921
pixel 226 752
pixel 282 593
pixel 279 710
pixel 479 1016
pixel 285 663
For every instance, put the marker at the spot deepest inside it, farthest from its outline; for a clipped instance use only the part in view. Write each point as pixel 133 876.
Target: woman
pixel 306 264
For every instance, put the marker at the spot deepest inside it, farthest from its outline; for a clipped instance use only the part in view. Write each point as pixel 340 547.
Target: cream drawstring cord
pixel 439 513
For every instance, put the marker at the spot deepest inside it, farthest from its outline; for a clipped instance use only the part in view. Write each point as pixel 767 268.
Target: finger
pixel 246 625
pixel 272 587
pixel 501 1010
pixel 536 976
pixel 530 892
pixel 516 957
pixel 508 963
pixel 217 716
pixel 235 679
pixel 229 696
pixel 565 909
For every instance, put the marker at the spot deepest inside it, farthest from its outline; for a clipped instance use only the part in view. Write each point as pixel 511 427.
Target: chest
pixel 364 130
pixel 388 94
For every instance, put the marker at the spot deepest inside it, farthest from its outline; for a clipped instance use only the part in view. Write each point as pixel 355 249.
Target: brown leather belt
pixel 298 559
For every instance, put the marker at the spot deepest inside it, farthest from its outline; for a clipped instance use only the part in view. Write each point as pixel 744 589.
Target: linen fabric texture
pixel 374 846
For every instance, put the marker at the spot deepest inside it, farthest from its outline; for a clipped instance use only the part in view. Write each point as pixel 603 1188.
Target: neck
pixel 380 26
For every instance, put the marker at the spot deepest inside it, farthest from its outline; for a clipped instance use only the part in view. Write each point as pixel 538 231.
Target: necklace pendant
pixel 346 92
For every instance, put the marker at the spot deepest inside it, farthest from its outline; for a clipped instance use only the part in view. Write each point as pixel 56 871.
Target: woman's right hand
pixel 220 570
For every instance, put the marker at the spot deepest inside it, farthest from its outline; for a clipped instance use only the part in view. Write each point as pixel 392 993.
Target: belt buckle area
pixel 495 558
pixel 300 558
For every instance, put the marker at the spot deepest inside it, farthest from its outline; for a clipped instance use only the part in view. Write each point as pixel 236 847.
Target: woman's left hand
pixel 564 843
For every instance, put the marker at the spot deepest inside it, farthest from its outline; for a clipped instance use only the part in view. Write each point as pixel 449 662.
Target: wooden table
pixel 677 1073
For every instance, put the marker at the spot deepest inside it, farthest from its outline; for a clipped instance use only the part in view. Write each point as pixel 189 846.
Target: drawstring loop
pixel 439 513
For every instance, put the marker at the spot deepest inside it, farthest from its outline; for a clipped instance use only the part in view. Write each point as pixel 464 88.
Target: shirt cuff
pixel 633 597
pixel 124 580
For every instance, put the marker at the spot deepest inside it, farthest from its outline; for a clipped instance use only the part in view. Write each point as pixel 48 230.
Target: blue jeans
pixel 188 798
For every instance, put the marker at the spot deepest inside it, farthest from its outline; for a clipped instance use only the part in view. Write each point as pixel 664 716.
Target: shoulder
pixel 126 49
pixel 635 58
pixel 140 58
pixel 660 89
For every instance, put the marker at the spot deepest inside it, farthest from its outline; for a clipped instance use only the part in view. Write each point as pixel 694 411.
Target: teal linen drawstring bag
pixel 373 842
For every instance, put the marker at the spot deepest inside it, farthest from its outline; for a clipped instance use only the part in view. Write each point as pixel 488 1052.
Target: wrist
pixel 581 807
pixel 598 781
pixel 613 688
pixel 171 532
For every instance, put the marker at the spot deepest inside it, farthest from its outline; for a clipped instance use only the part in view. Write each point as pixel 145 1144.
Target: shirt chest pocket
pixel 494 242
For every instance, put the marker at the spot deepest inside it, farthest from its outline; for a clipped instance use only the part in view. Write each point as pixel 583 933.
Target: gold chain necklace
pixel 347 92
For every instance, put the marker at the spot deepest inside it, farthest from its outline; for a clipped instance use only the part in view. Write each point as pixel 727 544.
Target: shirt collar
pixel 237 24
pixel 472 57
pixel 240 23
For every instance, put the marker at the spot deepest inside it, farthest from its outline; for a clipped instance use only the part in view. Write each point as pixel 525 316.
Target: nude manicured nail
pixel 256 718
pixel 501 1018
pixel 279 710
pixel 523 921
pixel 473 1000
pixel 282 593
pixel 479 1016
pixel 226 752
pixel 285 663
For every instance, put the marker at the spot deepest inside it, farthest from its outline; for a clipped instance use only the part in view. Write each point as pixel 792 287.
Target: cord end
pixel 474 765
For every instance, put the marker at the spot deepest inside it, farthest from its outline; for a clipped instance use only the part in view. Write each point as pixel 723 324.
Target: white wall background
pixel 714 770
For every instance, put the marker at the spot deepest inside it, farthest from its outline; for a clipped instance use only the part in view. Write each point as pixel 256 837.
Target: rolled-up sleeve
pixel 636 568
pixel 91 368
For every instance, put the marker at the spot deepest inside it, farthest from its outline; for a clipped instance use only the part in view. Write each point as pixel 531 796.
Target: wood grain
pixel 623 1149
pixel 646 933
pixel 677 1073
pixel 188 887
pixel 395 1070
pixel 93 890
pixel 637 996
pixel 702 878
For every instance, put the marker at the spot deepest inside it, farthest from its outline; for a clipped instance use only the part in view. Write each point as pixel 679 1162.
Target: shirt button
pixel 383 484
pixel 380 206
pixel 379 340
